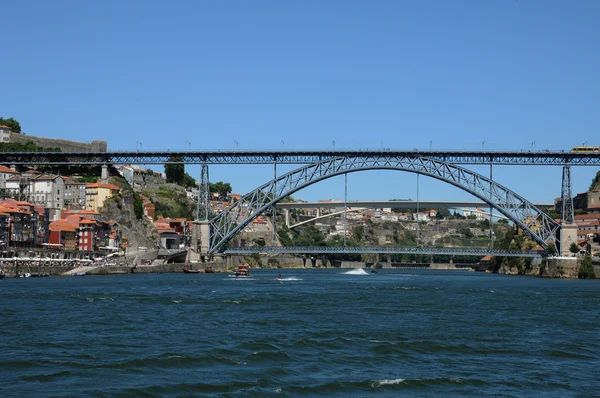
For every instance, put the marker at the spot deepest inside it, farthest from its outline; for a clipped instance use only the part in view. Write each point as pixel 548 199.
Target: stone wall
pixel 560 267
pixel 64 145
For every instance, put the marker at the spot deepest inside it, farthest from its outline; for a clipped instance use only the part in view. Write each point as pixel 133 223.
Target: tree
pixel 551 249
pixel 443 214
pixel 586 269
pixel 358 233
pixel 188 181
pixel 574 248
pixel 175 170
pixel 14 126
pixel 221 188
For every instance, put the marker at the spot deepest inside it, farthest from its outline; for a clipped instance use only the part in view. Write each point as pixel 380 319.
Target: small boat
pixel 191 271
pixel 243 271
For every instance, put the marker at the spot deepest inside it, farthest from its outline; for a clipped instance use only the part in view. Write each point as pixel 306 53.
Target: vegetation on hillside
pixel 175 173
pixel 28 146
pixel 171 201
pixel 586 270
pixel 14 126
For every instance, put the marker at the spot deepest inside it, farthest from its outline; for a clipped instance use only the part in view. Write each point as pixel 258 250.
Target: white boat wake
pixel 357 271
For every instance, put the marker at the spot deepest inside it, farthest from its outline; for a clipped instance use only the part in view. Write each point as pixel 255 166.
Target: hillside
pixel 595 182
pixel 124 208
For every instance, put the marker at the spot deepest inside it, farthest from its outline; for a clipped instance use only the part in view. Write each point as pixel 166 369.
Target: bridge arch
pixel 227 224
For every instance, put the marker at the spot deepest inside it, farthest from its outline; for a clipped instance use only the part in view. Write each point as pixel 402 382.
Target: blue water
pixel 326 334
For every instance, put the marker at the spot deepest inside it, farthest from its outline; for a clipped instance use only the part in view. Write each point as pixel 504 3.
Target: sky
pixel 447 75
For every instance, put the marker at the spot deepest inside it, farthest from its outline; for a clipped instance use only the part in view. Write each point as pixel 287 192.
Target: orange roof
pixel 112 187
pixel 88 212
pixel 4 127
pixel 487 258
pixel 87 222
pixel 4 169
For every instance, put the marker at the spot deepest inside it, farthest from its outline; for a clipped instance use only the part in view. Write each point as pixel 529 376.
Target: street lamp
pixel 136 146
pixel 282 144
pixel 235 144
pixel 334 145
pixel 533 145
pixel 188 145
pixel 483 145
pixel 430 144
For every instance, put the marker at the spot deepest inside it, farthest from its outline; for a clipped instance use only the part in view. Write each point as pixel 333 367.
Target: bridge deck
pixel 299 157
pixel 450 251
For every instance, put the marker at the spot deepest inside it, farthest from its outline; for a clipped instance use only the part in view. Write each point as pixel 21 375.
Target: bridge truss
pixel 297 157
pixel 446 251
pixel 533 221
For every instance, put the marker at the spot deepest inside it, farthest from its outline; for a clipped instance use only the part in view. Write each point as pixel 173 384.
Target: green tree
pixel 358 233
pixel 574 248
pixel 221 188
pixel 14 126
pixel 551 249
pixel 443 214
pixel 188 181
pixel 175 170
pixel 586 269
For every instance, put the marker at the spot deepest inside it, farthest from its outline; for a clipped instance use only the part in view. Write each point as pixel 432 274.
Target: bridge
pixel 556 158
pixel 446 251
pixel 212 235
pixel 360 205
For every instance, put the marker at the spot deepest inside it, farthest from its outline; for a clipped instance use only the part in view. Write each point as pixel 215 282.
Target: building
pixel 588 225
pixel 47 190
pixel 421 216
pixel 588 201
pixel 74 194
pixel 5 174
pixel 20 224
pixel 169 239
pixel 44 189
pixel 97 193
pixel 4 134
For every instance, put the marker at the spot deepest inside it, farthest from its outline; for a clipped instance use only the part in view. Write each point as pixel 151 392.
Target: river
pixel 319 333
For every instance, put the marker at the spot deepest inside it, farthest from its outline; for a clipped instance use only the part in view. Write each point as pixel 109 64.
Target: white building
pixel 47 190
pixel 389 217
pixel 479 214
pixel 4 134
pixel 421 216
pixel 5 174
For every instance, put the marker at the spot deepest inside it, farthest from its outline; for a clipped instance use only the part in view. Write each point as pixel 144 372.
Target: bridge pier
pixel 200 241
pixel 568 235
pixel 287 217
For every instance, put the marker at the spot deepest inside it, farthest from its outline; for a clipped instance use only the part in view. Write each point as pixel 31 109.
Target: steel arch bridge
pixel 541 227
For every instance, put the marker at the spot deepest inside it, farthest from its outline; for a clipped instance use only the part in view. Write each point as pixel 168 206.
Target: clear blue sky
pixel 267 74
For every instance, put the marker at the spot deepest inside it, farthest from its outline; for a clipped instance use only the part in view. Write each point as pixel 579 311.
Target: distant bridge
pixel 447 251
pixel 404 204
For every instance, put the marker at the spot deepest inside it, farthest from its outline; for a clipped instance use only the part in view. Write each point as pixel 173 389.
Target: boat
pixel 191 271
pixel 242 271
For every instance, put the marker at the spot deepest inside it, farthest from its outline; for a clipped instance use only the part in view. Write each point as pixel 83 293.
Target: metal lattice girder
pixel 566 199
pixel 297 157
pixel 445 251
pixel 536 223
pixel 203 194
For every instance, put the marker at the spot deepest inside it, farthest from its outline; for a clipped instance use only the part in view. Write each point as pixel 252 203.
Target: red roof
pixel 4 127
pixel 4 169
pixel 112 187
